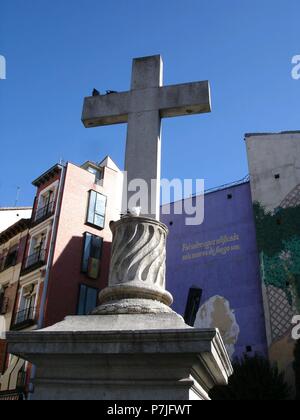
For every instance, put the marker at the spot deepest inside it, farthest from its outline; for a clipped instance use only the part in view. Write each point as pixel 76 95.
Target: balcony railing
pixel 44 212
pixel 25 318
pixel 35 260
pixel 11 396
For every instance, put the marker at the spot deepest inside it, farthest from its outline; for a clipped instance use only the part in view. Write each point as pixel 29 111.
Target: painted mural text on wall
pixel 223 245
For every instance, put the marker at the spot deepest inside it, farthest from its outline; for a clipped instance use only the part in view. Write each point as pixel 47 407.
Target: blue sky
pixel 57 51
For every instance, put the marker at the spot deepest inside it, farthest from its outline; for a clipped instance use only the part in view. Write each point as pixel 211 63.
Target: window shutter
pixel 96 248
pixel 95 257
pixel 88 297
pixel 94 268
pixel 92 252
pixel 82 300
pixel 91 300
pixel 86 252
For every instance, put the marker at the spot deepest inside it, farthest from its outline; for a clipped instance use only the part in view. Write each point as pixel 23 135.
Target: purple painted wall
pixel 233 273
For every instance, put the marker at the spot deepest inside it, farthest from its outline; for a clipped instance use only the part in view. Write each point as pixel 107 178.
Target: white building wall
pixel 270 155
pixel 10 216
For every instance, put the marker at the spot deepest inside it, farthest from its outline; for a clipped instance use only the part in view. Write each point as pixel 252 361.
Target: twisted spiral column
pixel 138 268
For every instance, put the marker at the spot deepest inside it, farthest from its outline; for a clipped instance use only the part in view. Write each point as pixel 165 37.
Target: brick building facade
pixel 64 253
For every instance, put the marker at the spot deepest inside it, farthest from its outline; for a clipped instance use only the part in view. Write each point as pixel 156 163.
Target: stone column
pixel 137 271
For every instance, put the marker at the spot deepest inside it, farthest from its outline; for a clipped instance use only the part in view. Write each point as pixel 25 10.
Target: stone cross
pixel 142 108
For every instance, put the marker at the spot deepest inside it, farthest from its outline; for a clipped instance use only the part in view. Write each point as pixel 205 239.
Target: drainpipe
pixel 50 261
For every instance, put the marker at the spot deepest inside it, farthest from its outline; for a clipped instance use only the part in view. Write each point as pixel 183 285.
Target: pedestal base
pixel 134 347
pixel 124 357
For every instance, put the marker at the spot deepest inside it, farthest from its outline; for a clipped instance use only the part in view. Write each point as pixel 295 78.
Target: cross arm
pixel 184 99
pixel 169 101
pixel 106 109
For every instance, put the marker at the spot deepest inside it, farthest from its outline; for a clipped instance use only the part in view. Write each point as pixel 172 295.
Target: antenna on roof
pixel 17 196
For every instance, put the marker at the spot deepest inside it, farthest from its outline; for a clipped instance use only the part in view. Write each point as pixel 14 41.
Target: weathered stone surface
pixel 180 364
pixel 132 306
pixel 120 322
pixel 137 269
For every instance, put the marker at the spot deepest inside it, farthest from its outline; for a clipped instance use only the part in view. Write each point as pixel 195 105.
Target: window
pixel 39 243
pixel 27 310
pixel 3 300
pixel 45 206
pixel 192 306
pixel 29 297
pixel 87 300
pixel 11 258
pixel 47 198
pixel 96 210
pixel 92 251
pixel 37 251
pixel 96 172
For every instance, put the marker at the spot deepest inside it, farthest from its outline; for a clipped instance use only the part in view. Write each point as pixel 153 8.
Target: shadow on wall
pixel 67 277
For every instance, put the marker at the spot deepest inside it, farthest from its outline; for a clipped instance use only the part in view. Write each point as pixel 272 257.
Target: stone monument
pixel 133 347
pixel 142 108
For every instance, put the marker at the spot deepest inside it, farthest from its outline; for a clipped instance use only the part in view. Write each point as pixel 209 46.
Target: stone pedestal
pixel 134 347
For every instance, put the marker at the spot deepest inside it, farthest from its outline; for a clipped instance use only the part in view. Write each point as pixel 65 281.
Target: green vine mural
pixel 278 236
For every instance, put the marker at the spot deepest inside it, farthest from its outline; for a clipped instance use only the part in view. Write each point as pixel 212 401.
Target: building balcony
pixel 25 319
pixel 34 261
pixel 12 396
pixel 43 213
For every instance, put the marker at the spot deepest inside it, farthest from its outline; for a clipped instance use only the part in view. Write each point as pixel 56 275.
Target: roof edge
pixel 19 227
pixel 247 135
pixel 15 208
pixel 54 169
